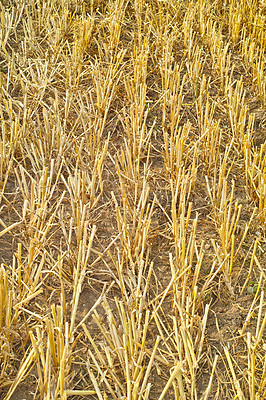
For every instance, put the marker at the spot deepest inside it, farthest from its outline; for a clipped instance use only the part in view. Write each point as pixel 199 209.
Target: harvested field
pixel 132 199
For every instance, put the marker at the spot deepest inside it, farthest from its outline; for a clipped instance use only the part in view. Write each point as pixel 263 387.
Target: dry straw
pixel 132 199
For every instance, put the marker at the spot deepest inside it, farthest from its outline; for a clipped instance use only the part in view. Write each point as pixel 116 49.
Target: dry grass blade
pixel 25 365
pixel 235 381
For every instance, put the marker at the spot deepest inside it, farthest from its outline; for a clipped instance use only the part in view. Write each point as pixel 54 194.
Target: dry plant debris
pixel 132 199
